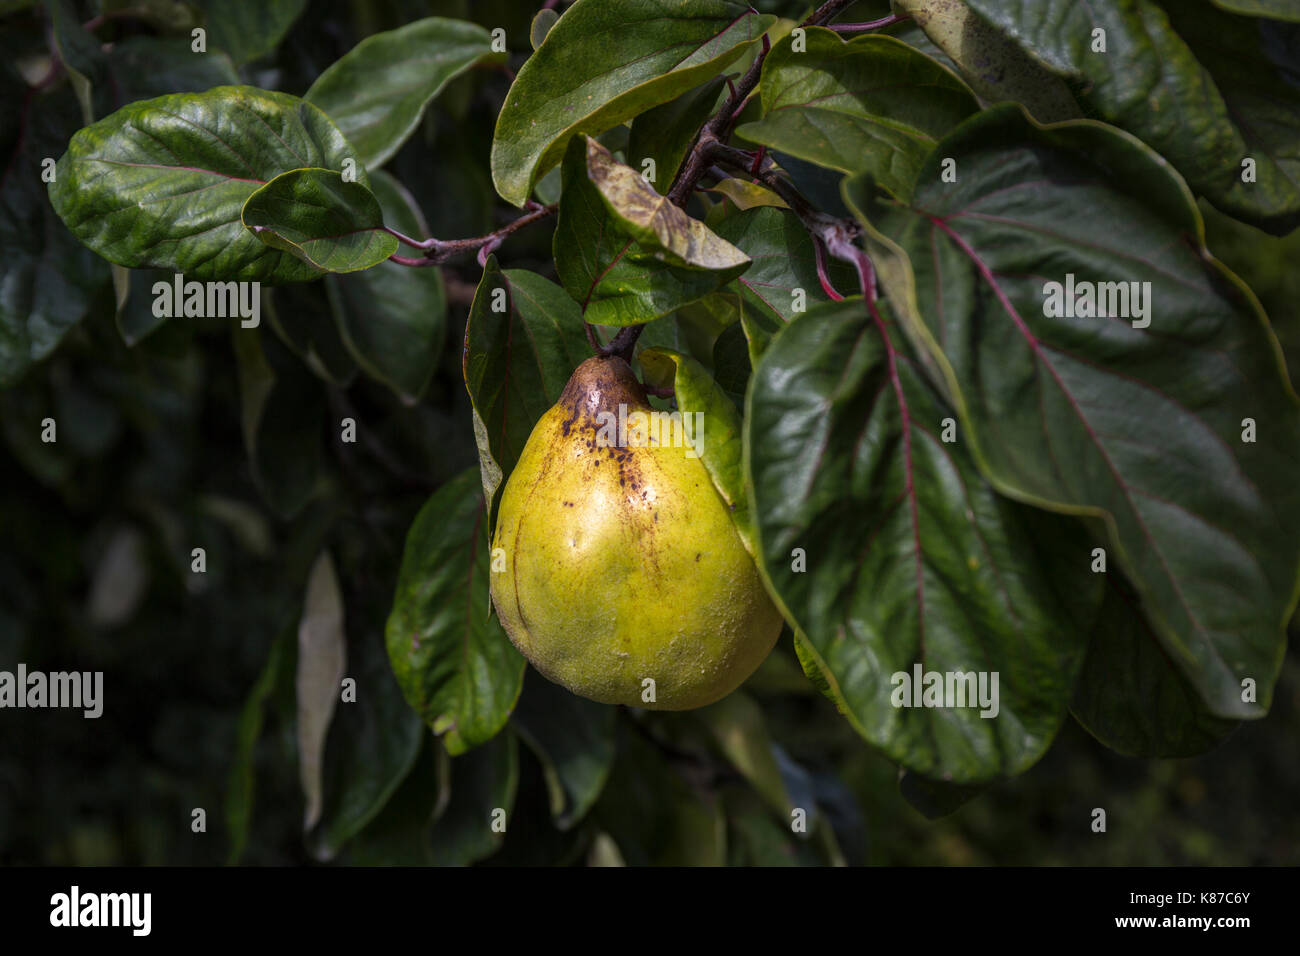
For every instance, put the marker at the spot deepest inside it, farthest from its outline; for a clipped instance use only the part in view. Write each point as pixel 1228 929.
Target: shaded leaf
pixel 1205 91
pixel 453 661
pixel 737 725
pixel 665 134
pixel 869 104
pixel 1139 420
pixel 1276 9
pixel 574 740
pixel 483 782
pixel 995 66
pixel 1131 696
pixel 935 799
pixel 377 91
pixel 239 786
pixel 373 743
pixel 393 318
pixel 249 30
pixel 49 278
pixel 939 574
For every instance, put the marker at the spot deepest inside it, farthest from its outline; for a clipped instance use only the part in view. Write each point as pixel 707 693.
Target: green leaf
pixel 1206 91
pixel 483 781
pixel 393 318
pixel 378 90
pixel 996 67
pixel 938 573
pixel 1131 696
pixel 782 283
pixel 935 799
pixel 373 744
pixel 714 426
pixel 281 410
pixel 1265 265
pixel 80 53
pixel 249 30
pixel 616 281
pixel 50 279
pixel 161 182
pixel 143 67
pixel 1275 9
pixel 331 224
pixel 654 223
pixel 453 661
pixel 659 49
pixel 737 726
pixel 300 316
pixel 399 835
pixel 870 104
pixel 746 195
pixel 523 339
pixel 665 133
pixel 239 787
pixel 653 816
pixel 574 740
pixel 1142 426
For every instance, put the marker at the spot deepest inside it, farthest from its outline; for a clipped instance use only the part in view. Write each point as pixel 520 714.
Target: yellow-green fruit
pixel 622 564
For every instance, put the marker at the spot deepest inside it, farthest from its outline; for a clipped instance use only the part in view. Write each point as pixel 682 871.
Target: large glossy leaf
pixel 1140 420
pixel 718 440
pixel 614 279
pixel 1131 696
pixel 516 361
pixel 453 661
pixel 326 221
pixel 281 412
pixel 604 62
pixel 161 182
pixel 996 67
pixel 378 90
pixel 870 104
pixel 912 561
pixel 48 279
pixel 1206 92
pixel 393 318
pixel 574 740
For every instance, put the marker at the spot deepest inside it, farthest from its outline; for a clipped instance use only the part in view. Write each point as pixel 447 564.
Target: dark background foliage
pixel 95 539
